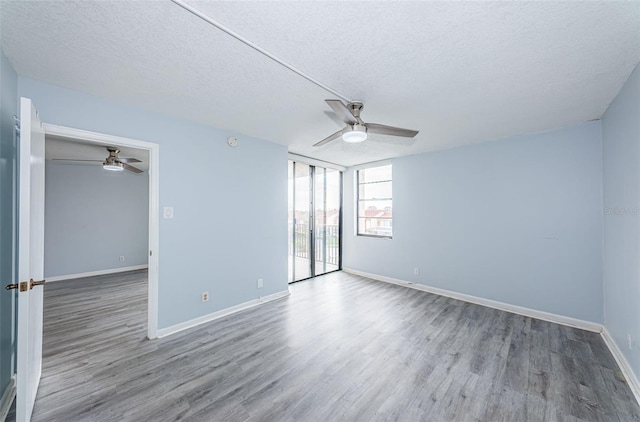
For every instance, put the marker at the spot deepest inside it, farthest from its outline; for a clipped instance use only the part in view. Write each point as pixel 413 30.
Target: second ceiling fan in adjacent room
pixel 112 163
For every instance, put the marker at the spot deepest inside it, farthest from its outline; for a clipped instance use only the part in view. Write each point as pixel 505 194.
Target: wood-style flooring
pixel 339 348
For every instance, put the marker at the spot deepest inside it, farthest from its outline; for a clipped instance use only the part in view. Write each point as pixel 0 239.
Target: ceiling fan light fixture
pixel 113 166
pixel 358 133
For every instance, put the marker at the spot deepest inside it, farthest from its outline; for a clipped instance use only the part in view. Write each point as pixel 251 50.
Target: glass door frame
pixel 312 221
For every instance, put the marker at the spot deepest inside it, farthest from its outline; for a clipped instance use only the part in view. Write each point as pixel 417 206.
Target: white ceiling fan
pixel 112 163
pixel 356 129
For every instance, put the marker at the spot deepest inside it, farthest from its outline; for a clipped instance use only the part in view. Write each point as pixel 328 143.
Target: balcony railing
pixel 327 244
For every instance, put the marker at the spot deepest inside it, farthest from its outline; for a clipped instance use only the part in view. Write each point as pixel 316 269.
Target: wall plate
pixel 232 141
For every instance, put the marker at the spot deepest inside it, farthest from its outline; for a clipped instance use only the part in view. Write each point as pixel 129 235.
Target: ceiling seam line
pixel 259 49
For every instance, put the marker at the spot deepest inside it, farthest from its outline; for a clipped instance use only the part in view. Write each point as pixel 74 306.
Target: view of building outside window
pixel 375 205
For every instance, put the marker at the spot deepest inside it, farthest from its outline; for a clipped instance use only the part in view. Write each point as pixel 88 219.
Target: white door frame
pixel 154 186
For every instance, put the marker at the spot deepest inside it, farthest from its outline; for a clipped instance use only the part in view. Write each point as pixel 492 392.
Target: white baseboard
pixel 626 369
pixel 163 332
pixel 7 398
pixel 520 310
pixel 94 273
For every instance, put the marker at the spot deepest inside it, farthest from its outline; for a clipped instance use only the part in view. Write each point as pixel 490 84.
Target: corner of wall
pixel 604 312
pixel 621 228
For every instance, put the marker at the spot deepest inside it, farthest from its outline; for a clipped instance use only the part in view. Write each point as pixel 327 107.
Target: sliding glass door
pixel 327 219
pixel 315 195
pixel 299 221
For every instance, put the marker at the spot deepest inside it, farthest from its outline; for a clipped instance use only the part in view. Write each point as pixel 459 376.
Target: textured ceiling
pixel 460 72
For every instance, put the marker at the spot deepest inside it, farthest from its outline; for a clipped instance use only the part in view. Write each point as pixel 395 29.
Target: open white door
pixel 30 259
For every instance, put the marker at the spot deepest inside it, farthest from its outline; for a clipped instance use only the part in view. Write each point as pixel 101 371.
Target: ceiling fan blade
pixel 71 159
pixel 390 130
pixel 129 160
pixel 342 111
pixel 77 162
pixel 329 138
pixel 131 168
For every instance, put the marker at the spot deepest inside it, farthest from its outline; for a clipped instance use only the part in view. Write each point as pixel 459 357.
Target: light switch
pixel 168 212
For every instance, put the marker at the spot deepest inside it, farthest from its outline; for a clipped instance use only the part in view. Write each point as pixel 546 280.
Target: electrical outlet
pixel 630 341
pixel 205 296
pixel 416 271
pixel 121 257
pixel 260 283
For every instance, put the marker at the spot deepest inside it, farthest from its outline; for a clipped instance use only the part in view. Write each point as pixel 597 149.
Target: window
pixel 375 206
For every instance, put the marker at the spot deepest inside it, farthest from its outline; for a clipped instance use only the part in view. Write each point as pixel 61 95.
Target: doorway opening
pixel 90 143
pixel 315 220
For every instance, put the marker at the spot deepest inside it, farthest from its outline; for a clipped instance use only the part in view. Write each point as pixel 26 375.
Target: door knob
pixel 32 283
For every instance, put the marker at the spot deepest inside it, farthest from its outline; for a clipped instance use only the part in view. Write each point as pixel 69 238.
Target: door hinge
pixel 16 123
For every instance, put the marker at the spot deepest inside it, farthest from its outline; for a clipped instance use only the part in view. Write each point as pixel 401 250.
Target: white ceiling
pixel 460 72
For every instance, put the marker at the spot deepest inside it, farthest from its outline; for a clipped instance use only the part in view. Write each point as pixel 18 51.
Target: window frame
pixel 363 200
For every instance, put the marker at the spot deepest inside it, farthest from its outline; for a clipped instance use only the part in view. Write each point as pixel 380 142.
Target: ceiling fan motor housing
pixel 355 108
pixel 112 163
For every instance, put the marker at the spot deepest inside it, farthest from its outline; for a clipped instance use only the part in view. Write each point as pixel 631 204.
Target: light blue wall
pixel 8 108
pixel 517 220
pixel 92 217
pixel 230 225
pixel 621 142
